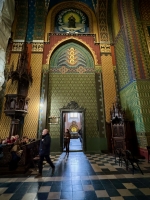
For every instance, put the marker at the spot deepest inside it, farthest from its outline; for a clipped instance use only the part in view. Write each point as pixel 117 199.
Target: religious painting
pixel 71 21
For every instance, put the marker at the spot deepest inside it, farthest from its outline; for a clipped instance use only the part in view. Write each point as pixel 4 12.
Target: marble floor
pixel 75 145
pixel 79 176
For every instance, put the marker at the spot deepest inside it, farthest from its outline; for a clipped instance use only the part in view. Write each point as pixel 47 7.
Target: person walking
pixel 67 137
pixel 44 152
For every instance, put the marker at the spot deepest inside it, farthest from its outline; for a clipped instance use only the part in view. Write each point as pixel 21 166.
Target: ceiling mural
pixel 90 3
pixel 72 21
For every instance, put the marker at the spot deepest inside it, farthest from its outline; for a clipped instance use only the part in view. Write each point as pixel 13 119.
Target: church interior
pixel 81 65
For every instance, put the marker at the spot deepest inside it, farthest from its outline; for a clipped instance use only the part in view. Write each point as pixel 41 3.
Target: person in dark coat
pixel 44 152
pixel 67 137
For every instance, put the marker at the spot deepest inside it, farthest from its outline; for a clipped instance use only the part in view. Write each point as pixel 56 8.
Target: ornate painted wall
pixel 30 20
pixel 72 78
pixel 91 3
pixel 122 62
pixel 52 14
pixel 131 43
pixel 40 16
pixel 10 89
pixel 21 20
pixel 71 20
pixel 108 84
pixel 133 63
pixel 31 119
pixel 135 99
pixel 115 18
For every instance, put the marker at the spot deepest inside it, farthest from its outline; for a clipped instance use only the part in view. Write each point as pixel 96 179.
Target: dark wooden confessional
pixel 123 134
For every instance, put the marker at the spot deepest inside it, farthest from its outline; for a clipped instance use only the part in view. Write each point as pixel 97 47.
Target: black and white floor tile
pixel 79 176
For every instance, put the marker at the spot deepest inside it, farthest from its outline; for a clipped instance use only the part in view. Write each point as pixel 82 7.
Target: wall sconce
pixel 53 120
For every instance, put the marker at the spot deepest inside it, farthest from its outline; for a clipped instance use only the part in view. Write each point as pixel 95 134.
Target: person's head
pixel 67 130
pixel 12 137
pixel 45 131
pixel 16 137
pixel 24 139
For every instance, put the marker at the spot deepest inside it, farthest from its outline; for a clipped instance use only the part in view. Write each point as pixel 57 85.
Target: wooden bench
pixel 26 161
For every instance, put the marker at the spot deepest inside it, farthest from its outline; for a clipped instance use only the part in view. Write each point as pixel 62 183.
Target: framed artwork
pixel 53 120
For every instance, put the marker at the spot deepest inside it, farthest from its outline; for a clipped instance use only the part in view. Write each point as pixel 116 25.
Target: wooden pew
pixel 26 161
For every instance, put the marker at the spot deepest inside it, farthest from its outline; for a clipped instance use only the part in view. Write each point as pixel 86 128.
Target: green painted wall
pixel 64 88
pixel 132 58
pixel 122 65
pixel 136 100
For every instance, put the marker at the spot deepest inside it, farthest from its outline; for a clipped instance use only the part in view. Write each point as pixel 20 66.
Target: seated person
pixel 16 137
pixel 6 141
pixel 25 140
pixel 12 140
pixel 16 154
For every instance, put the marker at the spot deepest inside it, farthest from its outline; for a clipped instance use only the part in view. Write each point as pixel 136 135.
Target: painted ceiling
pixel 91 3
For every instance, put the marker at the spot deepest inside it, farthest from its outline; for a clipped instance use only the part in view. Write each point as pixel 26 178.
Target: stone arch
pixel 79 41
pixel 50 21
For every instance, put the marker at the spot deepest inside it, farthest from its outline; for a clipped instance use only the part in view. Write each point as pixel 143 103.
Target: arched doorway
pixel 72 79
pixel 72 118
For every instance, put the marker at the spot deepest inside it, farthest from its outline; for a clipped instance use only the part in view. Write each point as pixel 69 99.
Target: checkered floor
pixel 79 177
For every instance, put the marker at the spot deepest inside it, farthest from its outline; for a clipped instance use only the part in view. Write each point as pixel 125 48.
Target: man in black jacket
pixel 44 152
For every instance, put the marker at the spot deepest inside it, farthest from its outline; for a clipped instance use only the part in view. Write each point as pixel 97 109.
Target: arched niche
pixel 78 41
pixel 50 21
pixel 72 55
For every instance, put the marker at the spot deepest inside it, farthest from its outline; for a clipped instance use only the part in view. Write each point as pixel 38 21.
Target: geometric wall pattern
pixel 40 15
pixel 22 19
pixel 108 84
pixel 144 10
pixel 31 119
pixel 80 88
pixel 133 62
pixel 122 66
pixel 34 28
pixel 10 89
pixel 144 13
pixel 137 46
pixel 30 29
pixel 135 99
pixel 73 84
pixel 115 19
pixel 103 25
pixel 91 3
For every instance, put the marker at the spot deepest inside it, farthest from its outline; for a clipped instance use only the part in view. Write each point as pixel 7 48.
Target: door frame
pixel 72 107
